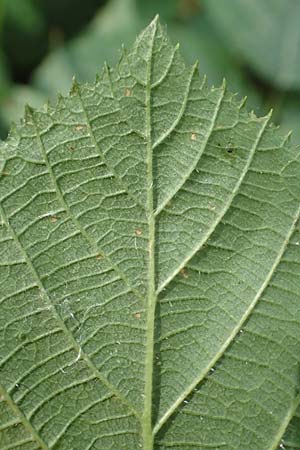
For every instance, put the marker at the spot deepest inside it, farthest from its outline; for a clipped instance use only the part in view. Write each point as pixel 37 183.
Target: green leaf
pixel 149 268
pixel 265 34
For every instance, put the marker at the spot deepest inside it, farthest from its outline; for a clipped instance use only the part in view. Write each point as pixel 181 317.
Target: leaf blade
pixel 114 313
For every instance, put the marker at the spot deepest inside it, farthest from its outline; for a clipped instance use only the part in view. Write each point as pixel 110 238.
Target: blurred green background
pixel 254 44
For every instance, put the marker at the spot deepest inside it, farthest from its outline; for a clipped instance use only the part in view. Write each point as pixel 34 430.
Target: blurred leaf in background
pixel 264 34
pixel 29 29
pixel 86 54
pixel 23 36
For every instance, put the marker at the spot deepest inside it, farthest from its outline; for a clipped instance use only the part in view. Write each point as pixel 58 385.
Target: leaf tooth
pixel 75 86
pixel 106 78
pixel 287 138
pixel 98 77
pixel 224 85
pixel 28 113
pixel 60 101
pixel 13 130
pixel 12 134
pixel 48 107
pixel 204 82
pixel 243 102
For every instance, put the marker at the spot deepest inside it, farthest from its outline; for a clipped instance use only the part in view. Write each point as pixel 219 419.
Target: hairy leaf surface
pixel 149 266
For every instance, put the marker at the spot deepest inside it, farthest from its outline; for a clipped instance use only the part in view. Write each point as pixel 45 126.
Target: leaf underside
pixel 149 271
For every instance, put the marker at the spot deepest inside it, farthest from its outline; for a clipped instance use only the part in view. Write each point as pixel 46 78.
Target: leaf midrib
pixel 148 437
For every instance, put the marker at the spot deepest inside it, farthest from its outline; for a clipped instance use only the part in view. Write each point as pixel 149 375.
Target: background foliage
pixel 255 45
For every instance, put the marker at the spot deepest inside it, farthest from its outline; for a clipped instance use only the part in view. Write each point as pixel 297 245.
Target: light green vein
pixel 27 425
pixel 284 423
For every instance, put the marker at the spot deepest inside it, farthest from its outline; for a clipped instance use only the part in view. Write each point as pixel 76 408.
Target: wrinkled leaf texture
pixel 149 267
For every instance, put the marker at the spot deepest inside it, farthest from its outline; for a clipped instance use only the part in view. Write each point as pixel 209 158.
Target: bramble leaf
pixel 149 266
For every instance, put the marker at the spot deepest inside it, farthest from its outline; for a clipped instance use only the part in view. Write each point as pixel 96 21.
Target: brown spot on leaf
pixel 183 273
pixel 127 92
pixel 137 315
pixel 193 137
pixel 53 219
pixel 79 127
pixel 99 256
pixel 138 232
